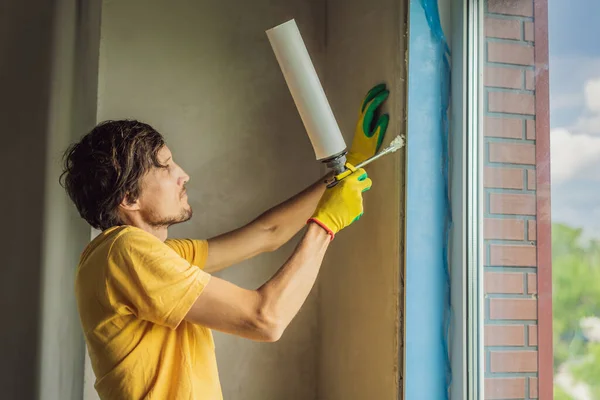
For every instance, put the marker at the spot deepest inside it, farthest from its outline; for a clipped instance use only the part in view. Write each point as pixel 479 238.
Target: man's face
pixel 163 199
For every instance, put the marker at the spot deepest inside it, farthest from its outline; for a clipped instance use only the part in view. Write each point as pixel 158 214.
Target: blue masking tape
pixel 428 221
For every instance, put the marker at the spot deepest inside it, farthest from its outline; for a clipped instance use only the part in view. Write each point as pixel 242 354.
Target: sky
pixel 574 29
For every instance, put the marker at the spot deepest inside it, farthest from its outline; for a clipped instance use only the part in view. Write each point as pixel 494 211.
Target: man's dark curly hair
pixel 106 166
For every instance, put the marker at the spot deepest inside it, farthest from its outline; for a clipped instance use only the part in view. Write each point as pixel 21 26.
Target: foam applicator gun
pixel 311 102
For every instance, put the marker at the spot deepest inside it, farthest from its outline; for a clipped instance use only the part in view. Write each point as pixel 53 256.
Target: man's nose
pixel 185 178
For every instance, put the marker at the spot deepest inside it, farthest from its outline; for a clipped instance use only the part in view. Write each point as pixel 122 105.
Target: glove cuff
pixel 322 225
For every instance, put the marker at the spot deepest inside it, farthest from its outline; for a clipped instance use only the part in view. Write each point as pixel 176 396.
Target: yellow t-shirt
pixel 133 292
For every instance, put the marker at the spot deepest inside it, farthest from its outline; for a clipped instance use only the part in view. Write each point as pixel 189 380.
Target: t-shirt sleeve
pixel 151 280
pixel 194 251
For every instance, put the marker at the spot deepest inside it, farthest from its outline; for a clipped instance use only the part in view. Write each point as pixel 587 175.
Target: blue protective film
pixel 428 217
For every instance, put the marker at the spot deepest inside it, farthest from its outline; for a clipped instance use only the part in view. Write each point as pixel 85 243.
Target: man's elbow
pixel 266 322
pixel 271 336
pixel 268 328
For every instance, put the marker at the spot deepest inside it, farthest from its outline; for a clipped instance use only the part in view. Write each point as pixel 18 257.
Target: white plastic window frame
pixel 467 193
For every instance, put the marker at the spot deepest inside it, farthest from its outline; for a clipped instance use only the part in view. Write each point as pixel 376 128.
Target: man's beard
pixel 185 215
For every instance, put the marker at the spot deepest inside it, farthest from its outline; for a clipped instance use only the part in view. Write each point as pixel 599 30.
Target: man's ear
pixel 128 205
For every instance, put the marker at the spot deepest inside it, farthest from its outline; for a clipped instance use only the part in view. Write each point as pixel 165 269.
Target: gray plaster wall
pixel 361 291
pixel 48 70
pixel 204 74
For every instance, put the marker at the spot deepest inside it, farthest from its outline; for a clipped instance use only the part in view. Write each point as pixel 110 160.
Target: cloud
pixel 592 95
pixel 571 153
pixel 588 121
pixel 568 79
pixel 575 163
pixel 576 202
pixel 576 150
pixel 587 125
pixel 566 101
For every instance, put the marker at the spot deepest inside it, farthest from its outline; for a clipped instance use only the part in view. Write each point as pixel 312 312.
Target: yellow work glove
pixel 370 130
pixel 342 204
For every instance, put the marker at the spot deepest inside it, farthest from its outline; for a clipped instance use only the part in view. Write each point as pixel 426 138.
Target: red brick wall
pixel 512 158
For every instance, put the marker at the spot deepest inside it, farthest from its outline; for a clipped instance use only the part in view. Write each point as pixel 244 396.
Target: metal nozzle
pixel 336 163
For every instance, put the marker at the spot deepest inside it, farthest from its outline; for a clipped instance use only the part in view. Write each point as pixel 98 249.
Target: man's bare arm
pixel 263 314
pixel 268 232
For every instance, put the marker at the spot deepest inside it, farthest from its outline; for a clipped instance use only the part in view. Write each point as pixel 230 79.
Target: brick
pixel 513 256
pixel 512 153
pixel 530 129
pixel 516 204
pixel 503 282
pixel 510 53
pixel 533 388
pixel 504 388
pixel 504 229
pixel 502 28
pixel 528 31
pixel 511 78
pixel 503 127
pixel 523 8
pixel 531 230
pixel 513 361
pixel 531 283
pixel 513 309
pixel 532 335
pixel 513 103
pixel 503 178
pixel 531 179
pixel 529 80
pixel 504 335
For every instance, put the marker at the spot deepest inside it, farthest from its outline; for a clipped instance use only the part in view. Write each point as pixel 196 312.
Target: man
pixel 147 304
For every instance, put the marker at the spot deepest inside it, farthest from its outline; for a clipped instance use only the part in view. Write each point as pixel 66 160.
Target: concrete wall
pixel 360 349
pixel 204 74
pixel 48 79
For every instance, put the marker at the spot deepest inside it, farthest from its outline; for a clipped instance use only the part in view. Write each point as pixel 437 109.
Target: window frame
pixel 467 195
pixel 466 175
